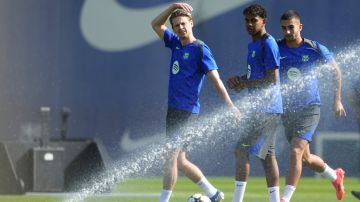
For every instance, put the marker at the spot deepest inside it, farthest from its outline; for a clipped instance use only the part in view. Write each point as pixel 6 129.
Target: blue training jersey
pixel 298 74
pixel 187 72
pixel 263 56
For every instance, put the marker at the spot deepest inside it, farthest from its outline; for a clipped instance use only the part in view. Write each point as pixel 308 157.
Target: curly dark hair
pixel 179 12
pixel 289 15
pixel 255 10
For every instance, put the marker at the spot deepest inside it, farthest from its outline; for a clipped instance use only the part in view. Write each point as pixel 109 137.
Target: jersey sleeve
pixel 272 54
pixel 208 62
pixel 327 55
pixel 169 38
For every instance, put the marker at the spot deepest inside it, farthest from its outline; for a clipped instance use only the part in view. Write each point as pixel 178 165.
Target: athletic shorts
pixel 257 135
pixel 301 124
pixel 178 125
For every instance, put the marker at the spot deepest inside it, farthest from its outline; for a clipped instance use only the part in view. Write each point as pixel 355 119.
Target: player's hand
pixel 339 109
pixel 183 6
pixel 233 82
pixel 235 112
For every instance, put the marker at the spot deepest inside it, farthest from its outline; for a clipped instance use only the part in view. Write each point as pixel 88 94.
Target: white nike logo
pixel 109 26
pixel 281 58
pixel 129 145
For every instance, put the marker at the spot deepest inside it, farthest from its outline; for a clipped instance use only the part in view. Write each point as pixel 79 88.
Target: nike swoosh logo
pixel 110 26
pixel 281 58
pixel 129 145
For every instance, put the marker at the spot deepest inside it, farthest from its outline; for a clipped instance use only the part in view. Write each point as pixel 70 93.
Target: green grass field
pixel 144 190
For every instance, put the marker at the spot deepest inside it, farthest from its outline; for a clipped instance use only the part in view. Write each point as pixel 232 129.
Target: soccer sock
pixel 274 194
pixel 239 191
pixel 329 173
pixel 165 195
pixel 288 192
pixel 207 187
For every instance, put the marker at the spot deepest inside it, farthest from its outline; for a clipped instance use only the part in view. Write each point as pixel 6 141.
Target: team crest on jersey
pixel 253 54
pixel 305 58
pixel 294 74
pixel 175 67
pixel 186 56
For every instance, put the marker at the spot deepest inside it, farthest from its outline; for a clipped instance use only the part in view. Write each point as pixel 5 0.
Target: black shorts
pixel 178 123
pixel 301 124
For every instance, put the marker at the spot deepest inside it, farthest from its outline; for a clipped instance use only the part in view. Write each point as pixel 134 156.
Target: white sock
pixel 288 192
pixel 329 173
pixel 207 187
pixel 165 195
pixel 274 194
pixel 239 191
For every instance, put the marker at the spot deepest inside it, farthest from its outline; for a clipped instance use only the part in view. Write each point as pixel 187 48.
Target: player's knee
pixel 296 152
pixel 181 163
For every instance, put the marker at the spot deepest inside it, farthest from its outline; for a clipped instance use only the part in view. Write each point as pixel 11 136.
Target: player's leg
pixel 267 155
pixel 170 175
pixel 299 128
pixel 194 173
pixel 175 123
pixel 242 171
pixel 318 165
pixel 272 177
pixel 296 151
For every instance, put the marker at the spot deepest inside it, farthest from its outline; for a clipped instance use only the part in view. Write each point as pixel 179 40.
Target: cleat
pixel 282 200
pixel 356 194
pixel 338 183
pixel 218 197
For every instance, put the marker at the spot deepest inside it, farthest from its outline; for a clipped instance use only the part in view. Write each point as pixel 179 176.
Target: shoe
pixel 338 183
pixel 356 194
pixel 282 200
pixel 219 196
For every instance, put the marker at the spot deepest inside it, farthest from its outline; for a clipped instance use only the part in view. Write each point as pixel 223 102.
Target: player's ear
pixel 264 21
pixel 300 26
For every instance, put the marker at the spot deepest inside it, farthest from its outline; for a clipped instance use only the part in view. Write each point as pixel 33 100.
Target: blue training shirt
pixel 298 74
pixel 263 56
pixel 187 72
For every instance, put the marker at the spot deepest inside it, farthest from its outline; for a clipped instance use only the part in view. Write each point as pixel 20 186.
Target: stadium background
pixel 53 54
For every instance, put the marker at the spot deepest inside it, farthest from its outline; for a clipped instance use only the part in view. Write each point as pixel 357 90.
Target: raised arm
pixel 337 77
pixel 158 23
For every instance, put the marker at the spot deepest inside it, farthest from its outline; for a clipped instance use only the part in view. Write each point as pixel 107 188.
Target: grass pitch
pixel 147 190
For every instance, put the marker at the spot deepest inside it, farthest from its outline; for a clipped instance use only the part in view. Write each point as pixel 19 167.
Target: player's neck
pixel 258 35
pixel 295 43
pixel 187 40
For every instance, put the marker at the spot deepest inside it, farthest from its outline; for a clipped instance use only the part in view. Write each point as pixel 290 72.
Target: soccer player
pixel 190 62
pixel 262 82
pixel 301 101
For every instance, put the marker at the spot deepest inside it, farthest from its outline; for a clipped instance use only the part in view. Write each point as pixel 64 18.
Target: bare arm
pixel 337 76
pixel 220 88
pixel 240 82
pixel 158 23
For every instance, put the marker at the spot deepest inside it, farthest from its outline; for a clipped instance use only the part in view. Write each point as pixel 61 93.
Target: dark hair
pixel 179 12
pixel 289 15
pixel 255 10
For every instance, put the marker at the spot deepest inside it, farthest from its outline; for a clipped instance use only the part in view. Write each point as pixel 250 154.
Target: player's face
pixel 182 26
pixel 291 29
pixel 254 24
